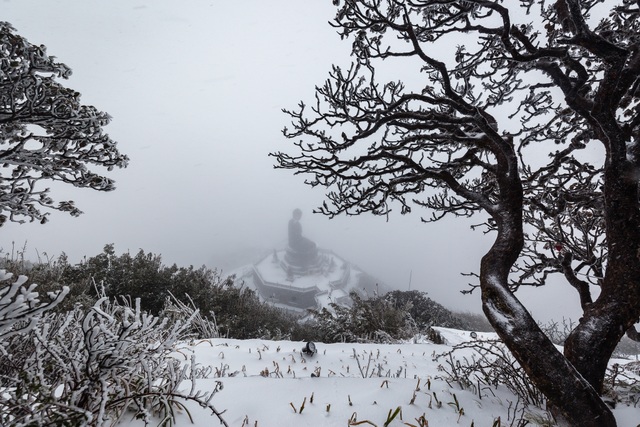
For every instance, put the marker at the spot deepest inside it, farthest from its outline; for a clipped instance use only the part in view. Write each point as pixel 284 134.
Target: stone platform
pixel 328 279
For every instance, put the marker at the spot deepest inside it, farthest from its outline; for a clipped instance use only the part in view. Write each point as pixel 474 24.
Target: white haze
pixel 195 90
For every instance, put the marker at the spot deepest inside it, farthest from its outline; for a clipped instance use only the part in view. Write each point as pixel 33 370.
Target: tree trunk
pixel 590 345
pixel 573 400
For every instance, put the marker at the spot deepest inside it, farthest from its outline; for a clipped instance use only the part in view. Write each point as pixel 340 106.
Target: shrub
pixel 474 322
pixel 394 316
pixel 20 306
pixel 367 320
pixel 427 313
pixel 492 366
pixel 90 367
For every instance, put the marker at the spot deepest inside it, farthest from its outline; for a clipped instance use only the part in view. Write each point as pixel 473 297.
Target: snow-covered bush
pixel 424 311
pixel 375 319
pixel 93 367
pixel 20 309
pixel 200 327
pixel 20 305
pixel 52 274
pixel 393 316
pixel 492 366
pixel 473 321
pixel 622 384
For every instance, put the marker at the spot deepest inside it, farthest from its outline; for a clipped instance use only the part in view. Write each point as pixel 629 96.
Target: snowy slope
pixel 266 383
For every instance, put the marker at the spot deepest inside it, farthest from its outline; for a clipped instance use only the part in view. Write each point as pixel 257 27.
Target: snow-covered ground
pixel 272 383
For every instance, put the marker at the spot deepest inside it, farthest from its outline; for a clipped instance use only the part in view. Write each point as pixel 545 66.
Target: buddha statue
pixel 301 252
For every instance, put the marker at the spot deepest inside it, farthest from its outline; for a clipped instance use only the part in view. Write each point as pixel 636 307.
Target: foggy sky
pixel 195 89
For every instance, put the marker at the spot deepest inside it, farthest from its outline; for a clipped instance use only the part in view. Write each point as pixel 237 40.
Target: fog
pixel 196 90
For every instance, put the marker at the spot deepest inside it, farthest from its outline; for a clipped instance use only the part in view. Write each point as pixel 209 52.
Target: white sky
pixel 195 89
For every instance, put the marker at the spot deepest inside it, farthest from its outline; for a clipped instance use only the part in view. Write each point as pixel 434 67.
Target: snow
pixel 271 383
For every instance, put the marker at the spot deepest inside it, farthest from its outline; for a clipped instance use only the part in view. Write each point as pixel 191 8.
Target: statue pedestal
pixel 301 261
pixel 312 281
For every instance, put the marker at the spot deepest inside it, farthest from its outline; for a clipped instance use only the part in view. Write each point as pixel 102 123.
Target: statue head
pixel 297 214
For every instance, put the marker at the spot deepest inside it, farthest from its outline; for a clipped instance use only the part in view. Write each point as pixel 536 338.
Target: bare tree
pixel 45 133
pixel 470 133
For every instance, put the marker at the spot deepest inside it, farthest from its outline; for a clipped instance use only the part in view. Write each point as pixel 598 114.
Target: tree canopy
pixel 527 111
pixel 45 133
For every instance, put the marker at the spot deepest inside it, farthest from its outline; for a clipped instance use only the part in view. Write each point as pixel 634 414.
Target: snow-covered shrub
pixel 622 384
pixel 200 327
pixel 558 332
pixel 490 366
pixel 20 305
pixel 375 319
pixel 393 316
pixel 627 348
pixel 20 309
pixel 52 274
pixel 473 321
pixel 93 367
pixel 425 311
